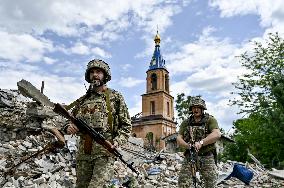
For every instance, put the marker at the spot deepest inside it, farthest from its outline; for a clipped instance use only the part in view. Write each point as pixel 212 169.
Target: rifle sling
pixel 74 103
pixel 110 117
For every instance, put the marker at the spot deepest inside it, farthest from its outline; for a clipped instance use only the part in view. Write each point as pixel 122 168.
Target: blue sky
pixel 53 40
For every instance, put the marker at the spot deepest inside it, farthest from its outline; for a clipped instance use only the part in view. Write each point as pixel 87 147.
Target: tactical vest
pixel 199 131
pixel 94 112
pixel 97 110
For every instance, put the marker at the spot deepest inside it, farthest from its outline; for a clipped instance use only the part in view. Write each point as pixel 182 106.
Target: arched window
pixel 167 82
pixel 154 81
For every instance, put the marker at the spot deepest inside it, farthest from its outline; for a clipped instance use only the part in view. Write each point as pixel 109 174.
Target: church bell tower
pixel 157 119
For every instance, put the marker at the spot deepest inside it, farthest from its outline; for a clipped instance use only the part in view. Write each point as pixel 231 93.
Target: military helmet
pixel 97 63
pixel 197 101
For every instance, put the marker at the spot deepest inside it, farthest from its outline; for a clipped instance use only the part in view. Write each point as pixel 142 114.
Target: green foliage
pixel 261 93
pixel 150 137
pixel 264 66
pixel 182 106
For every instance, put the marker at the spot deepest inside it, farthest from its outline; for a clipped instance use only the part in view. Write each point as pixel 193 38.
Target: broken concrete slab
pixel 28 90
pixel 277 173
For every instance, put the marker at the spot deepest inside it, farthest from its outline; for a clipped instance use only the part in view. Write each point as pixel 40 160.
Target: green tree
pixel 261 92
pixel 182 106
pixel 265 64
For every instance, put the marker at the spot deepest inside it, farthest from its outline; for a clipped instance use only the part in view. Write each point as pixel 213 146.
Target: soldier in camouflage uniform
pixel 205 132
pixel 105 110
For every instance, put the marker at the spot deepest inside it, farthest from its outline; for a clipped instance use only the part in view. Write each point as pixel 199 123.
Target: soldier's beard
pixel 95 84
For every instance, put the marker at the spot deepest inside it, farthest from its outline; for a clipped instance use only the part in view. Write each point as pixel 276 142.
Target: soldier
pixel 103 109
pixel 205 132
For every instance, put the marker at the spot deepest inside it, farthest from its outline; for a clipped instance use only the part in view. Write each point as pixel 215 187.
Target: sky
pixel 53 40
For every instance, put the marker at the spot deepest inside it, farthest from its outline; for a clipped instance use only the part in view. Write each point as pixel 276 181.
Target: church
pixel 157 118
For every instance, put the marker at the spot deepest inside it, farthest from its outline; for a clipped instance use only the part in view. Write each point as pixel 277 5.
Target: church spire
pixel 157 60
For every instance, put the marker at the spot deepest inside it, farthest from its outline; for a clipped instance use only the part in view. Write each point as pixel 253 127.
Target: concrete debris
pixel 277 173
pixel 24 131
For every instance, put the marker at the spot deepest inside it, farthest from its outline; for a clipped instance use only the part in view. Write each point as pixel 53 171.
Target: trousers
pixel 95 173
pixel 208 171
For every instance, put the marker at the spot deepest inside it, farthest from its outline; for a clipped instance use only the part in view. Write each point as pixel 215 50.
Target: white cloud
pixel 126 67
pixel 74 68
pixel 102 37
pixel 23 47
pixel 231 8
pixel 180 87
pixel 224 113
pixel 271 14
pixel 200 54
pixel 130 82
pixel 67 18
pixel 58 89
pixel 148 20
pixel 137 107
pixel 208 67
pixel 22 23
pixel 80 48
pixel 49 60
pixel 100 52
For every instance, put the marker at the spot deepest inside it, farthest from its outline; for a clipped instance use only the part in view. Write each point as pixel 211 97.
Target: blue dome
pixel 157 60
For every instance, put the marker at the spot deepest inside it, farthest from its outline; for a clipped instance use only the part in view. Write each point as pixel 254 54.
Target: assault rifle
pixel 97 137
pixel 193 158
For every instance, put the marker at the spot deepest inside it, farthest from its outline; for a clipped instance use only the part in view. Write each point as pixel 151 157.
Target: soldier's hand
pixel 115 144
pixel 198 145
pixel 72 129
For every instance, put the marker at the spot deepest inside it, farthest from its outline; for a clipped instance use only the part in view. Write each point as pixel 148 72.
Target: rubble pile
pixel 51 169
pixel 24 132
pixel 13 119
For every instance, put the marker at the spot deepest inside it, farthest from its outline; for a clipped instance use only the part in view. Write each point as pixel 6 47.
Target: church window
pixel 152 107
pixel 154 81
pixel 168 108
pixel 167 82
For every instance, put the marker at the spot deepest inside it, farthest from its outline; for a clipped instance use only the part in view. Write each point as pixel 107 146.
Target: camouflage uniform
pixel 94 163
pixel 206 163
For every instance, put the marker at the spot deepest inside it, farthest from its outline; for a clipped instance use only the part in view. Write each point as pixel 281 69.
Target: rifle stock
pixel 97 137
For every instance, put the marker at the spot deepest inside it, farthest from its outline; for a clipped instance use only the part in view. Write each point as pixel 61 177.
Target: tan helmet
pixel 197 101
pixel 97 63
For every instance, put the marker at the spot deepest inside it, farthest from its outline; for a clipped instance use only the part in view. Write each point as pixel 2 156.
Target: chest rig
pixel 94 112
pixel 198 131
pixel 96 109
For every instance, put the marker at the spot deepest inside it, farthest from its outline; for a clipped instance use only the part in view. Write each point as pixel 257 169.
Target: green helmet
pixel 197 101
pixel 97 63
